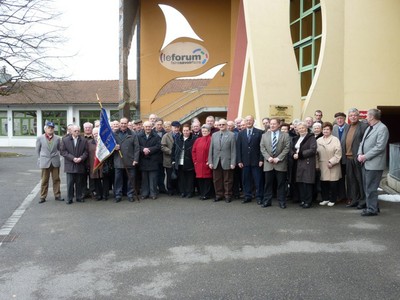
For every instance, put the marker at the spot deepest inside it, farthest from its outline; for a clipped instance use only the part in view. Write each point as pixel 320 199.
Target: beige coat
pixel 329 150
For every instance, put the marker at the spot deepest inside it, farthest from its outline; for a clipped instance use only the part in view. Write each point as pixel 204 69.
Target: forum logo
pixel 184 56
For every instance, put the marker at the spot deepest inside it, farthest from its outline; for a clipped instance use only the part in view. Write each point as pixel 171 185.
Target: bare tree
pixel 28 37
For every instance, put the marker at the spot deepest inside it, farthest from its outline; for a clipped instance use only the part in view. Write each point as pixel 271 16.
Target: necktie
pixel 248 136
pixel 340 133
pixel 220 140
pixel 274 142
pixel 368 132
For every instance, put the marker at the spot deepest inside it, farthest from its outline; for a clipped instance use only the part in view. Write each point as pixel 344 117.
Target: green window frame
pixel 59 118
pixel 306 31
pixel 3 123
pixel 25 123
pixel 88 116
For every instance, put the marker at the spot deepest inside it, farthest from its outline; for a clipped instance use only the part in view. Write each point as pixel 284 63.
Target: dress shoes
pixel 183 195
pixel 80 200
pixel 331 204
pixel 259 201
pixel 59 199
pixel 325 202
pixel 366 213
pixel 352 204
pixel 247 200
pixel 266 204
pixel 301 204
pixel 130 199
pixel 189 196
pixel 282 205
pixel 116 200
pixel 362 206
pixel 228 199
pixel 217 199
pixel 306 205
pixel 153 197
pixel 69 202
pixel 42 200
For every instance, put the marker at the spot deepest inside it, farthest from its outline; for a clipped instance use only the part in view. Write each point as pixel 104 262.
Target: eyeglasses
pixel 223 124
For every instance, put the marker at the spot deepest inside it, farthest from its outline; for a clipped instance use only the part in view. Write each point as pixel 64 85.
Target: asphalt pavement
pixel 173 248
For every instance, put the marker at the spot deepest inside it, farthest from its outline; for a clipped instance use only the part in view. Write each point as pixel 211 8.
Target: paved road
pixel 173 248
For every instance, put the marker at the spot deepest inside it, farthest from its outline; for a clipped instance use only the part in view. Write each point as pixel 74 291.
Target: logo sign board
pixel 283 112
pixel 184 56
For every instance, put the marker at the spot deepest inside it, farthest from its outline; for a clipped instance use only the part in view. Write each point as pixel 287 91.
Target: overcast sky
pixel 93 34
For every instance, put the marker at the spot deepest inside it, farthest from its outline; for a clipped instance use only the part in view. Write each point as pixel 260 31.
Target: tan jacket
pixel 329 150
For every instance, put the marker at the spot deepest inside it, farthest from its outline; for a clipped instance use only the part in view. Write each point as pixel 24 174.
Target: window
pixel 24 123
pixel 59 118
pixel 3 123
pixel 114 115
pixel 88 116
pixel 306 31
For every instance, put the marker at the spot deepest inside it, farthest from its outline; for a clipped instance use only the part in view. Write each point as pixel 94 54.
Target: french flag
pixel 105 142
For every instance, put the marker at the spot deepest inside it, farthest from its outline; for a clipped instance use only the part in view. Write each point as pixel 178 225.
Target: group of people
pixel 225 160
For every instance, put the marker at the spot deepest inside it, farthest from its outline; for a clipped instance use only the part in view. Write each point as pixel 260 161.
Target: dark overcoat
pixel 151 161
pixel 129 147
pixel 69 152
pixel 180 146
pixel 305 165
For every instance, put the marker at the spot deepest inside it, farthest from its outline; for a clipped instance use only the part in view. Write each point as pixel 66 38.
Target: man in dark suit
pixel 160 131
pixel 150 158
pixel 339 130
pixel 275 146
pixel 74 149
pixel 372 156
pixel 250 160
pixel 126 161
pixel 354 134
pixel 222 160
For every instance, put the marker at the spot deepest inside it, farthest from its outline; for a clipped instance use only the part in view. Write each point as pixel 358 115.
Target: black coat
pixel 151 161
pixel 129 147
pixel 185 146
pixel 306 164
pixel 69 152
pixel 248 153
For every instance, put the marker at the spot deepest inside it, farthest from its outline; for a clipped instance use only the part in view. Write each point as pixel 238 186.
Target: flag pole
pixel 126 168
pixel 98 100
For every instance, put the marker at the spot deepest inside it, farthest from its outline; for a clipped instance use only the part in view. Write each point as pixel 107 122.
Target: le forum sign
pixel 184 56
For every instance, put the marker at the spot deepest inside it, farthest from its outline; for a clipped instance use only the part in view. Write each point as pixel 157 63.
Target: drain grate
pixel 8 238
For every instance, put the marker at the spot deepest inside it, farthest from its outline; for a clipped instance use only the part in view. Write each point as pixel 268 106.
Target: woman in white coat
pixel 329 155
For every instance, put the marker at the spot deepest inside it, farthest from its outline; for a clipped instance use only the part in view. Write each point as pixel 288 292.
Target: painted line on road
pixel 13 220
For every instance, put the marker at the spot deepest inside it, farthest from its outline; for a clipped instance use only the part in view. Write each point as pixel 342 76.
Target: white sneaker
pixel 324 202
pixel 331 203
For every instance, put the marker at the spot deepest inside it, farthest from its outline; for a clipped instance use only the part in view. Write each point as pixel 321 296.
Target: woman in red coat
pixel 200 159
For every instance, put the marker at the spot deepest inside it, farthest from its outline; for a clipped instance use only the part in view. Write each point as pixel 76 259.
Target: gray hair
pixel 376 113
pixel 296 121
pixel 205 126
pixel 354 110
pixel 301 123
pixel 88 124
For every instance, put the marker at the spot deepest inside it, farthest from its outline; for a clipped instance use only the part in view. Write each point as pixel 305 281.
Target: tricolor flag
pixel 105 141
